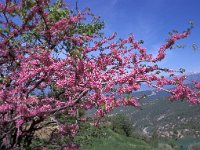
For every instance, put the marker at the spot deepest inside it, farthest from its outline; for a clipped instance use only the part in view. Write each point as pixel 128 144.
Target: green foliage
pixel 173 144
pixel 153 140
pixel 89 29
pixel 88 133
pixel 85 137
pixel 195 146
pixel 121 124
pixel 163 146
pixel 115 141
pixel 56 13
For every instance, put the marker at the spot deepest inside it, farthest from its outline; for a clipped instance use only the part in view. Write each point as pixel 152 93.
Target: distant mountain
pixel 165 118
pixel 159 115
pixel 192 76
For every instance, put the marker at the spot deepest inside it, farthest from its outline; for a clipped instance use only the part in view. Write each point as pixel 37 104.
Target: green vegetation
pixel 115 141
pixel 111 135
pixel 122 125
pixel 98 138
pixel 117 133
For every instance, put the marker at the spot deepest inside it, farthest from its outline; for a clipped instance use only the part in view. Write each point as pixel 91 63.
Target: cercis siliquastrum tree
pixel 51 62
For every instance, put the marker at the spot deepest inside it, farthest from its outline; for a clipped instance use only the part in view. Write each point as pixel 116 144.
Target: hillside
pixel 157 116
pixel 114 141
pixel 166 118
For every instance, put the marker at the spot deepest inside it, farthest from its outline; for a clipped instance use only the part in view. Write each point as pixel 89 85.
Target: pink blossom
pixel 19 123
pixel 36 85
pixel 197 84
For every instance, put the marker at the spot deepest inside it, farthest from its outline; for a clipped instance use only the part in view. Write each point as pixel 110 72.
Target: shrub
pixel 122 125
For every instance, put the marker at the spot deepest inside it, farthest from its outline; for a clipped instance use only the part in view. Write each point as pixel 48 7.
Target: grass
pixel 114 141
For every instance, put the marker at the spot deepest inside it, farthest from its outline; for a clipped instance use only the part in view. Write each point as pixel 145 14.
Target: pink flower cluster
pixel 9 9
pixel 103 75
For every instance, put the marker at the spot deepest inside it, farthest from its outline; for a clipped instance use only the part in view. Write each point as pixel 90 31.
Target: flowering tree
pixel 52 62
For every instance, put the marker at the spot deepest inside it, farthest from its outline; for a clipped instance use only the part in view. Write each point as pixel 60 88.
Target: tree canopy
pixel 54 60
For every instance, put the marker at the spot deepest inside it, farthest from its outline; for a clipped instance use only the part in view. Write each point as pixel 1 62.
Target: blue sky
pixel 151 20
